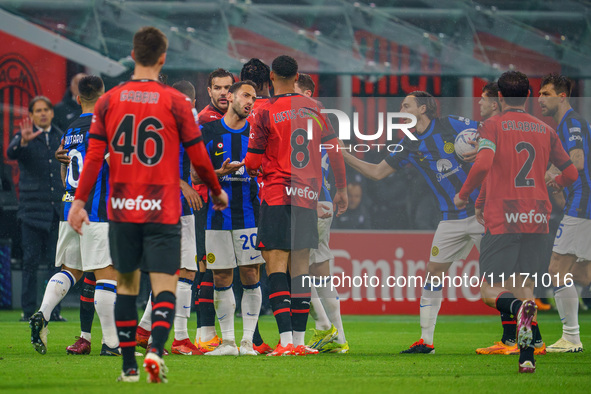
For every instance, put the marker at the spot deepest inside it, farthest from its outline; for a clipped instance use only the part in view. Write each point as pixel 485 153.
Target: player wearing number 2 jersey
pixel 514 150
pixel 143 123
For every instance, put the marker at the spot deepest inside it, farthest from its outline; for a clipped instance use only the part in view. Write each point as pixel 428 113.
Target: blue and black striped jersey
pixel 76 142
pixel 325 191
pixel 433 155
pixel 223 143
pixel 575 133
pixel 185 173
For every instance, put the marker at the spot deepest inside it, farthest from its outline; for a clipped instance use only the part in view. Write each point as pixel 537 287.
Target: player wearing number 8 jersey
pixel 143 122
pixel 291 180
pixel 514 150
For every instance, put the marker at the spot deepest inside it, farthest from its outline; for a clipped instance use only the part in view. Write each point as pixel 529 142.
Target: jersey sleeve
pixel 572 130
pixel 97 127
pixel 397 159
pixel 460 124
pixel 259 134
pixel 558 155
pixel 187 121
pixel 488 136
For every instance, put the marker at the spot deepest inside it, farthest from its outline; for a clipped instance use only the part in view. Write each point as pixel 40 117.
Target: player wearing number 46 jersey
pixel 90 252
pixel 514 149
pixel 143 123
pixel 572 250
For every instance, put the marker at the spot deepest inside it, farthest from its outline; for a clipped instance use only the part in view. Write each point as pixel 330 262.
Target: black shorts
pixel 200 224
pixel 287 227
pixel 151 247
pixel 504 254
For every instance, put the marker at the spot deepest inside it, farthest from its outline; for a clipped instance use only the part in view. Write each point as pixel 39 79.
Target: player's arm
pixel 562 161
pixel 191 195
pixel 204 169
pixel 577 156
pixel 63 171
pixel 482 164
pixel 257 144
pixel 341 198
pixel 369 170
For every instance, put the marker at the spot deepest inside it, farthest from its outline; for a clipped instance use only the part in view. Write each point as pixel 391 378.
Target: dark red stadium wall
pixel 26 71
pixel 399 255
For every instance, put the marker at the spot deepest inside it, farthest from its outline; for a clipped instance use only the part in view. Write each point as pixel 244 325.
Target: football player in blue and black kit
pixel 90 252
pixel 230 235
pixel 433 155
pixel 572 251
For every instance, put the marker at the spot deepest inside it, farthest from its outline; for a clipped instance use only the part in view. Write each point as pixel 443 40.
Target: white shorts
pixel 188 245
pixel 574 237
pixel 231 248
pixel 454 239
pixel 86 252
pixel 323 252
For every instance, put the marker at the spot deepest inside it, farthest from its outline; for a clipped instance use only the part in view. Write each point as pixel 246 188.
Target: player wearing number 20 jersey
pixel 76 142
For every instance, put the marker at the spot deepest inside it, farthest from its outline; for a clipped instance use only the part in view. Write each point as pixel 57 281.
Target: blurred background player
pixel 458 231
pixel 90 252
pixel 190 201
pixel 258 72
pixel 325 307
pixel 291 163
pixel 230 237
pixel 572 239
pixel 206 339
pixel 514 150
pixel 144 214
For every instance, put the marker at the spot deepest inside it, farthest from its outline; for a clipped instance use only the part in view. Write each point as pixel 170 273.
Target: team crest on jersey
pixel 448 147
pixel 434 251
pixel 210 258
pixel 220 145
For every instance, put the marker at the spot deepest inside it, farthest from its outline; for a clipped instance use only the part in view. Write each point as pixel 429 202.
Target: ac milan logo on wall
pixel 18 85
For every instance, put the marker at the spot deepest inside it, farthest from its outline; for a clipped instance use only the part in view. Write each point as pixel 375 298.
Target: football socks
pixel 105 295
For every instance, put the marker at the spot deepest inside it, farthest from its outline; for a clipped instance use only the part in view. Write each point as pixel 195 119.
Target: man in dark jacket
pixel 68 110
pixel 40 194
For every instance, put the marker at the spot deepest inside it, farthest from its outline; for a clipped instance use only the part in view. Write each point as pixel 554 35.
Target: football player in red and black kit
pixel 143 122
pixel 258 72
pixel 291 176
pixel 514 150
pixel 206 339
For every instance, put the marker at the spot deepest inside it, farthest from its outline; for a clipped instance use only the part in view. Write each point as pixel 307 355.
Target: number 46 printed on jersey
pixel 149 147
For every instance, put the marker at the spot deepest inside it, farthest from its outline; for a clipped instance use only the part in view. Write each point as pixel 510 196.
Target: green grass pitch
pixel 373 365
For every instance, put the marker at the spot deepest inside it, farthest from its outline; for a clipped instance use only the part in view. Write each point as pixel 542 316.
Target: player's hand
pixel 61 154
pixel 323 211
pixel 346 154
pixel 470 157
pixel 341 201
pixel 27 133
pixel 552 182
pixel 479 215
pixel 77 216
pixel 255 173
pixel 228 168
pixel 220 202
pixel 460 204
pixel 191 195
